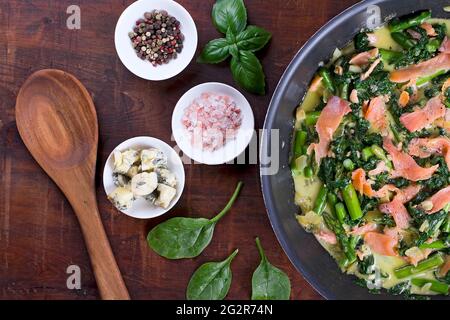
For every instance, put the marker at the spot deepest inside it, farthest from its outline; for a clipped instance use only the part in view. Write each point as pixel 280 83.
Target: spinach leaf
pixel 269 282
pixel 179 238
pixel 248 72
pixel 229 14
pixel 215 51
pixel 253 39
pixel 211 281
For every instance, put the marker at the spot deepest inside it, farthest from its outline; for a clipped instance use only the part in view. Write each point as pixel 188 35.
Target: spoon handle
pixel 107 273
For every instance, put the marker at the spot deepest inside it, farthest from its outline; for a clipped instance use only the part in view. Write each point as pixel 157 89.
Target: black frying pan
pixel 316 265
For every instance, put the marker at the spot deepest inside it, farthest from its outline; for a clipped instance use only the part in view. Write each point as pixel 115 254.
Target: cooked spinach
pixel 179 237
pixel 385 221
pixel 269 282
pixel 367 284
pixel 355 144
pixel 333 174
pixel 367 265
pixel 423 49
pixel 403 288
pixel 211 281
pixel 445 279
pixel 362 42
pixel 434 222
pixel 368 204
pixel 377 84
pixel 440 178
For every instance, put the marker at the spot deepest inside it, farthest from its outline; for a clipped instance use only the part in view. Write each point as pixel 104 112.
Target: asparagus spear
pixel 327 79
pixel 423 266
pixel 347 245
pixel 352 202
pixel 344 91
pixel 389 56
pixel 332 200
pixel 427 79
pixel 367 153
pixel 436 245
pixel 300 140
pixel 348 164
pixel 312 117
pixel 321 200
pixel 341 213
pixel 403 40
pixel 433 45
pixel 416 20
pixel 436 286
pixel 380 154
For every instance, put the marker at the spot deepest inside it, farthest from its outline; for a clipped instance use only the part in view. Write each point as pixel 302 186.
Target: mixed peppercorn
pixel 157 37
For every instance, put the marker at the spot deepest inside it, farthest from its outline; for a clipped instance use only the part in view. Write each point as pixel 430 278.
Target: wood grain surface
pixel 39 234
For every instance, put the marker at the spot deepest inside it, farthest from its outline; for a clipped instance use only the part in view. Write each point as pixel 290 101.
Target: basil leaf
pixel 211 281
pixel 229 14
pixel 179 238
pixel 231 39
pixel 215 51
pixel 253 39
pixel 248 72
pixel 269 282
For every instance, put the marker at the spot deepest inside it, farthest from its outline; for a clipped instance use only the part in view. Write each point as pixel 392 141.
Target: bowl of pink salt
pixel 213 123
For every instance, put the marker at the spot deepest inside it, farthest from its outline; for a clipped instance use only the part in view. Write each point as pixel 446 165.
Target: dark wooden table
pixel 39 234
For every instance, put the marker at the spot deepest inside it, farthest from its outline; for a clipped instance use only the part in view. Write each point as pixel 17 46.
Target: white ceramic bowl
pixel 232 148
pixel 142 209
pixel 144 68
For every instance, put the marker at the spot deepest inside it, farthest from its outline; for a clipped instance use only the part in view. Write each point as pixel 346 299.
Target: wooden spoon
pixel 57 121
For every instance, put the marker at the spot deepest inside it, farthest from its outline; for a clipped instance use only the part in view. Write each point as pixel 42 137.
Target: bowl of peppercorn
pixel 156 39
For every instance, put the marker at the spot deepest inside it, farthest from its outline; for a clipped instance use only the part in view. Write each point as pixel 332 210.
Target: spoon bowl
pixel 57 121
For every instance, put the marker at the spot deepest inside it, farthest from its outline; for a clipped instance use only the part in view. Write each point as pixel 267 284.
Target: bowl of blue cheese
pixel 143 177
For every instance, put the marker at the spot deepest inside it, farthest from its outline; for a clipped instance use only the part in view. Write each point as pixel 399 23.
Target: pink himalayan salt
pixel 212 120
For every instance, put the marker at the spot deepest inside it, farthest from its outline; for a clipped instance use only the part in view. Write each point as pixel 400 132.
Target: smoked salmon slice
pixel 371 69
pixel 327 236
pixel 440 200
pixel 376 114
pixel 404 99
pixel 445 46
pixel 328 122
pixel 422 118
pixel 361 184
pixel 426 68
pixel 364 58
pixel 360 231
pixel 407 194
pixel 425 147
pixel 405 166
pixel 383 244
pixel 380 168
pixel 429 29
pixel 398 211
